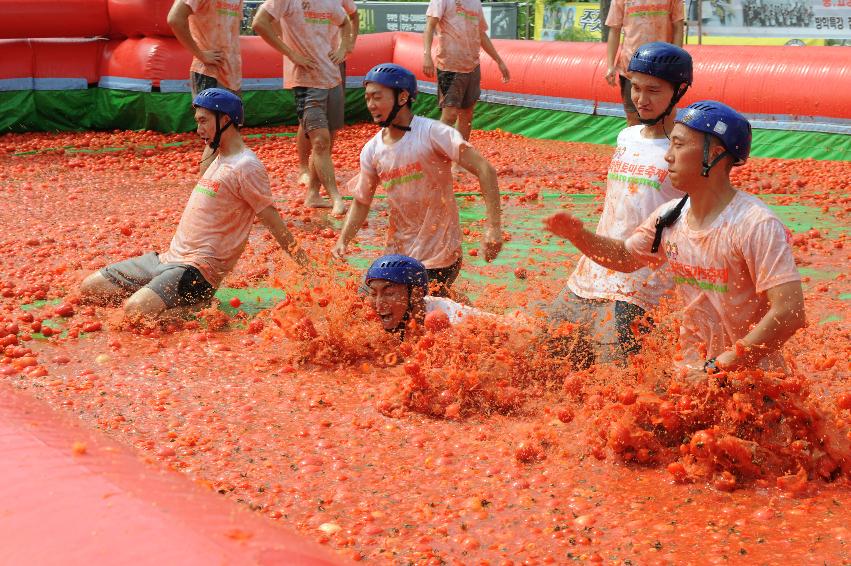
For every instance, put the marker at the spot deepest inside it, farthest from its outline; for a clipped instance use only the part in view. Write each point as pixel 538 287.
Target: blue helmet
pixel 717 119
pixel 663 60
pixel 399 269
pixel 393 76
pixel 221 100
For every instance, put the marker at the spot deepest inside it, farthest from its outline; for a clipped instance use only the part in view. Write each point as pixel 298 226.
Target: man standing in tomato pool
pixel 729 254
pixel 637 184
pixel 310 29
pixel 641 21
pixel 337 104
pixel 411 157
pixel 462 31
pixel 209 29
pixel 213 229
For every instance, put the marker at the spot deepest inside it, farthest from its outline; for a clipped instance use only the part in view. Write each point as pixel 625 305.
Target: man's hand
pixel 610 76
pixel 564 225
pixel 428 65
pixel 302 61
pixel 212 57
pixel 339 249
pixel 506 76
pixel 492 244
pixel 339 55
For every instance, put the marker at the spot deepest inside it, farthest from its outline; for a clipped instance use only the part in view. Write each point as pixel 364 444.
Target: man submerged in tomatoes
pixel 397 289
pixel 213 230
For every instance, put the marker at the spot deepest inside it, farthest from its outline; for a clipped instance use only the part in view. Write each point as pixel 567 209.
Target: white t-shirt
pixel 459 27
pixel 637 184
pixel 416 173
pixel 721 273
pixel 456 312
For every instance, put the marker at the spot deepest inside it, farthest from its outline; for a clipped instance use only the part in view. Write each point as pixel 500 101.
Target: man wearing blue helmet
pixel 729 254
pixel 397 289
pixel 637 184
pixel 213 229
pixel 411 157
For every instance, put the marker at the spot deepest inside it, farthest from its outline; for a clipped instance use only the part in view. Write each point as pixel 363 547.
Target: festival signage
pixel 827 19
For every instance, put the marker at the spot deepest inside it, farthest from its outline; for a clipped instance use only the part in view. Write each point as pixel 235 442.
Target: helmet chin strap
pixel 706 164
pixel 393 113
pixel 681 90
pixel 217 139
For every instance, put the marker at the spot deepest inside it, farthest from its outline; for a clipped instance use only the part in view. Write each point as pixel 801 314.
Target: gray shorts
pixel 605 328
pixel 320 108
pixel 199 82
pixel 626 94
pixel 458 90
pixel 178 285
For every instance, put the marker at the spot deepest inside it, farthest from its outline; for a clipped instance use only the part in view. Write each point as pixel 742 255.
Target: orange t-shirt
pixel 416 173
pixel 642 21
pixel 312 28
pixel 217 219
pixel 214 25
pixel 459 25
pixel 721 273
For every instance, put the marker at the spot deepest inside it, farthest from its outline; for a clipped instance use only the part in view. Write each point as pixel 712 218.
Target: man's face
pixel 390 301
pixel 206 121
pixel 379 101
pixel 651 95
pixel 685 156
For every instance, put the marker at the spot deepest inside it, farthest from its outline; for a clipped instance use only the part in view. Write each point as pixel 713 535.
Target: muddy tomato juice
pixel 466 445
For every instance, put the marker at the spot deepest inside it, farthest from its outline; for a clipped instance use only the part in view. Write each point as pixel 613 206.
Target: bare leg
pixel 321 143
pixel 449 115
pixel 99 290
pixel 465 121
pixel 303 145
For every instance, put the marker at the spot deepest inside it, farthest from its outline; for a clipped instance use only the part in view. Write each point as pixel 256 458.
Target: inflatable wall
pixel 128 51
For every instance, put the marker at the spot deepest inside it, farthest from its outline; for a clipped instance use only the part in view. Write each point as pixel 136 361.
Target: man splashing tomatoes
pixel 213 229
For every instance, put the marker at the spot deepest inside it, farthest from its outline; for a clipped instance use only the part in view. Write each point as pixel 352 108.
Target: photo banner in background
pixel 376 17
pixel 556 20
pixel 797 19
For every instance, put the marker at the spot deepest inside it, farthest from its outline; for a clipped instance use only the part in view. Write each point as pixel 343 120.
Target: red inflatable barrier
pixel 147 58
pixel 70 496
pixel 136 18
pixel 775 80
pixel 53 18
pixel 16 59
pixel 259 61
pixel 60 59
pixel 370 50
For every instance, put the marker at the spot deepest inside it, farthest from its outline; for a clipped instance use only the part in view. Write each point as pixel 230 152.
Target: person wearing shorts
pixel 462 31
pixel 411 158
pixel 315 38
pixel 337 104
pixel 640 21
pixel 209 29
pixel 214 227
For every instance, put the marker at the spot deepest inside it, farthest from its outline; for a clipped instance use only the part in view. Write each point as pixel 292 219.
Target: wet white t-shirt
pixel 721 273
pixel 636 185
pixel 416 174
